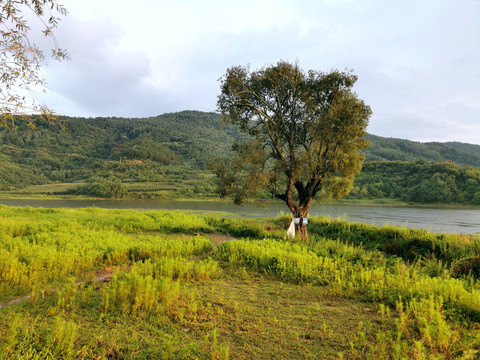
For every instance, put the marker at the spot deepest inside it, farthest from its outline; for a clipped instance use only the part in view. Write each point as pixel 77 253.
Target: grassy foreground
pixel 127 284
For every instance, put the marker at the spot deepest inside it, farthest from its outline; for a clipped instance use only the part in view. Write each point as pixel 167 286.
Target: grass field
pixel 125 284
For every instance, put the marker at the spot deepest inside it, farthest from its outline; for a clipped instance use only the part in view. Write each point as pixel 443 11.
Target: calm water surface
pixel 445 220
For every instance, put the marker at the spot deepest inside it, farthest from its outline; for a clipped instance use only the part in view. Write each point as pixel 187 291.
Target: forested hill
pixel 170 153
pixel 110 148
pixel 391 149
pixel 188 137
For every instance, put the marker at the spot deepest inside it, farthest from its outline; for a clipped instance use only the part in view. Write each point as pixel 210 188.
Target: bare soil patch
pixel 218 238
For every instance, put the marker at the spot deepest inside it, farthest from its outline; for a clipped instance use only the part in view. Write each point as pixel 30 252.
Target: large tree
pixel 304 132
pixel 21 58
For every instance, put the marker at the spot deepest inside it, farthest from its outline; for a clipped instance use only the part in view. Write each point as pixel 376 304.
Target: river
pixel 446 220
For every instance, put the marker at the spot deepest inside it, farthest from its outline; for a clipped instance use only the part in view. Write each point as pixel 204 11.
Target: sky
pixel 417 61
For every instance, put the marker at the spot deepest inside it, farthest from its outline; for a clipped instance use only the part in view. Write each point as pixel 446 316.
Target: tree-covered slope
pixel 468 148
pixel 392 149
pixel 420 181
pixel 169 154
pixel 137 149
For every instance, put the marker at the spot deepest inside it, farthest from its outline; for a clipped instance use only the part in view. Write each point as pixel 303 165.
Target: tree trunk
pixel 302 232
pixel 301 228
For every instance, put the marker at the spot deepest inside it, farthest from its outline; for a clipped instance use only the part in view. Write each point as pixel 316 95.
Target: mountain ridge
pixel 395 149
pixel 174 150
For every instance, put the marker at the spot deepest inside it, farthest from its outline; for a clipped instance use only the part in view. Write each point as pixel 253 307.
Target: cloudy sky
pixel 418 61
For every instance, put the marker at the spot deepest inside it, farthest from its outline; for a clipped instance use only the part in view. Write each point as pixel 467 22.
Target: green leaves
pixel 308 128
pixel 21 59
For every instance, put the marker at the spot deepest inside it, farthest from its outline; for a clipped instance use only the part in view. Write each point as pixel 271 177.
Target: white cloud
pixel 418 62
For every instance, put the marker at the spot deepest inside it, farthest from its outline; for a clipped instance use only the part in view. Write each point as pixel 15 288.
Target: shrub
pixel 104 189
pixel 467 266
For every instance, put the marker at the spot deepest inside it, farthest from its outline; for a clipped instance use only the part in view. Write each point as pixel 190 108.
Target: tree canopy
pixel 304 133
pixel 21 58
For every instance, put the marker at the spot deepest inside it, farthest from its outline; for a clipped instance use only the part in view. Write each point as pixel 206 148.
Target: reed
pixel 423 303
pixel 179 297
pixel 47 247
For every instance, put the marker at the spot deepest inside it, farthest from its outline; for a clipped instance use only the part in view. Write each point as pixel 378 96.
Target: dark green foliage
pixel 467 266
pixel 239 227
pixel 103 189
pixel 305 132
pixel 171 150
pixel 468 148
pixel 169 155
pixel 11 173
pixel 405 150
pixel 145 149
pixel 420 181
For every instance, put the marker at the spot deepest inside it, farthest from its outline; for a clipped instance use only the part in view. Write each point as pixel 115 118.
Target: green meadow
pixel 131 284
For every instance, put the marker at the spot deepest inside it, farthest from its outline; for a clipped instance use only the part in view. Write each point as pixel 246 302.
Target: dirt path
pixel 105 275
pixel 217 238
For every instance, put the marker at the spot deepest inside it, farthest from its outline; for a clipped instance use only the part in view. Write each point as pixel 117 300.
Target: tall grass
pixel 351 270
pixel 408 243
pixel 40 247
pixel 423 284
pixel 355 272
pixel 156 288
pixel 44 248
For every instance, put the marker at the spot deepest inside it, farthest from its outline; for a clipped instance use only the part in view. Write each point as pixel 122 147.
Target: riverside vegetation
pixel 353 291
pixel 168 157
